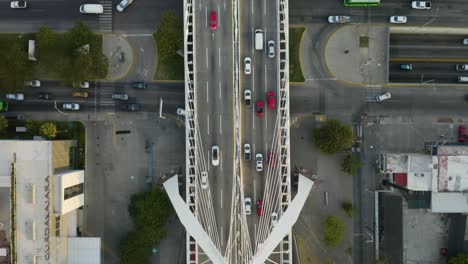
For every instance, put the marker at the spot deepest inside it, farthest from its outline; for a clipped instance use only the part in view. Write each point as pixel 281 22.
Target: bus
pixel 361 2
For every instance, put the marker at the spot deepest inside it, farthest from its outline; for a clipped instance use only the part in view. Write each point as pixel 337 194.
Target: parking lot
pixel 427 58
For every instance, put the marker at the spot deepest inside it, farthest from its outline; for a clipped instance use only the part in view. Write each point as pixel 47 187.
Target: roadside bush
pixel 348 208
pixel 48 130
pixel 350 164
pixel 333 137
pixel 3 124
pixel 333 229
pixel 169 35
pixel 461 258
pixel 15 68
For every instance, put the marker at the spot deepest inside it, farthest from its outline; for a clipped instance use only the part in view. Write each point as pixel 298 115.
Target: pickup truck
pixel 421 5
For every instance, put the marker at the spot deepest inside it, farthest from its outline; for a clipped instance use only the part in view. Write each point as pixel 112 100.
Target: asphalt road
pixel 213 81
pixel 423 72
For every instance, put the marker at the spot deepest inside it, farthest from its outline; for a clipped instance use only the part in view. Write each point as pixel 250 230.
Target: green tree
pixel 3 124
pixel 333 229
pixel 348 208
pixel 80 35
pixel 350 164
pixel 169 35
pixel 149 212
pixel 33 127
pixel 15 67
pixel 333 137
pixel 48 130
pixel 461 258
pixel 45 37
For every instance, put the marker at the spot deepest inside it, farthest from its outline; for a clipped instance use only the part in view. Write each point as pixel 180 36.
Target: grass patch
pixel 364 42
pixel 172 69
pixel 304 253
pixel 295 71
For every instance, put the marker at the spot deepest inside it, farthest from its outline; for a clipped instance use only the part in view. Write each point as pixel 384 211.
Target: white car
pixel 421 5
pixel 18 4
pixel 204 179
pixel 248 206
pixel 71 106
pixel 383 97
pixel 215 155
pixel 181 111
pixel 82 85
pixel 398 19
pixel 259 161
pixel 247 151
pixel 247 97
pixel 33 83
pixel 247 65
pixel 339 19
pixel 122 5
pixel 274 219
pixel 271 49
pixel 15 96
pixel 465 41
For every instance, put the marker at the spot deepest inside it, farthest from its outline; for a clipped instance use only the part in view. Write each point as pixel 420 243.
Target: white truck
pixel 421 5
pixel 259 39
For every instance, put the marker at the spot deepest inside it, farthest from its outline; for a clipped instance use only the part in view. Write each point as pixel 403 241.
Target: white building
pixel 45 197
pixel 445 175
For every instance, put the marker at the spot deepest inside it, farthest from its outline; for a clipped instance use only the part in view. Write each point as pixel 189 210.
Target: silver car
pixel 120 96
pixel 247 65
pixel 71 106
pixel 215 155
pixel 259 162
pixel 271 49
pixel 248 206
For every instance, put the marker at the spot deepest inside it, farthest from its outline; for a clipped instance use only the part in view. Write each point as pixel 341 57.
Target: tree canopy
pixel 48 130
pixel 461 258
pixel 350 164
pixel 333 229
pixel 333 137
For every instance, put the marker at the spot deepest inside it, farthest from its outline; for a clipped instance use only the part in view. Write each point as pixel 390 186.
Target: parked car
pixel 383 97
pixel 259 108
pixel 465 41
pixel 247 97
pixel 204 180
pixel 247 151
pixel 44 96
pixel 18 4
pixel 398 19
pixel 248 206
pixel 123 4
pixel 247 65
pixel 71 106
pixel 80 94
pixel 271 49
pixel 339 19
pixel 213 20
pixel 274 219
pixel 139 85
pixel 33 83
pixel 120 96
pixel 260 208
pixel 406 67
pixel 215 155
pixel 82 85
pixel 461 67
pixel 130 107
pixel 271 100
pixel 15 96
pixel 259 162
pixel 421 5
pixel 461 133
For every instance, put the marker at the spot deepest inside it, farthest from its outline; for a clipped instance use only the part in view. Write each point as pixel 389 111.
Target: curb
pixel 123 75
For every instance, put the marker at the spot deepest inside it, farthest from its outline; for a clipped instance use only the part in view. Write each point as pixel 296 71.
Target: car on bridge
pixel 274 219
pixel 247 65
pixel 204 180
pixel 259 162
pixel 215 155
pixel 247 153
pixel 248 206
pixel 271 49
pixel 259 108
pixel 260 208
pixel 271 100
pixel 247 97
pixel 213 20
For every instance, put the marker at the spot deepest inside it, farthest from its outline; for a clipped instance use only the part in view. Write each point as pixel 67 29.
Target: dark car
pixel 461 133
pixel 259 108
pixel 139 85
pixel 44 96
pixel 130 107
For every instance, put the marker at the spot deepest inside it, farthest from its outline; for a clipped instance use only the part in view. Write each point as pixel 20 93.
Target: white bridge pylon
pixel 282 228
pixel 190 222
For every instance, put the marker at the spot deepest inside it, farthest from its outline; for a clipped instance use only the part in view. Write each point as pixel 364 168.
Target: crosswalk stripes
pixel 105 96
pixel 105 19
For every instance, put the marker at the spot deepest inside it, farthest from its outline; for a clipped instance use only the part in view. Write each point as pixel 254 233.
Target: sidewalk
pixel 119 54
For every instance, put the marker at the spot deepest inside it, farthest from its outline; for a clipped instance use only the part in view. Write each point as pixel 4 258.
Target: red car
pixel 271 100
pixel 461 133
pixel 259 108
pixel 260 207
pixel 213 20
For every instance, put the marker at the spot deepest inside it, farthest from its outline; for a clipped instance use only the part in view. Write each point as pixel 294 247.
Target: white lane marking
pixel 208 155
pixel 221 160
pixel 224 5
pixel 208 123
pixel 220 125
pixel 207 93
pixel 253 80
pixel 255 230
pixel 220 90
pixel 221 198
pixel 266 116
pixel 219 57
pixel 253 35
pixel 255 190
pixel 219 16
pixel 264 7
pixel 206 16
pixel 265 78
pixel 252 8
pixel 253 117
pixel 206 58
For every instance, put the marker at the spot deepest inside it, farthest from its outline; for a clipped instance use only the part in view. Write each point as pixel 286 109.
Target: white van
pixel 462 79
pixel 259 39
pixel 91 9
